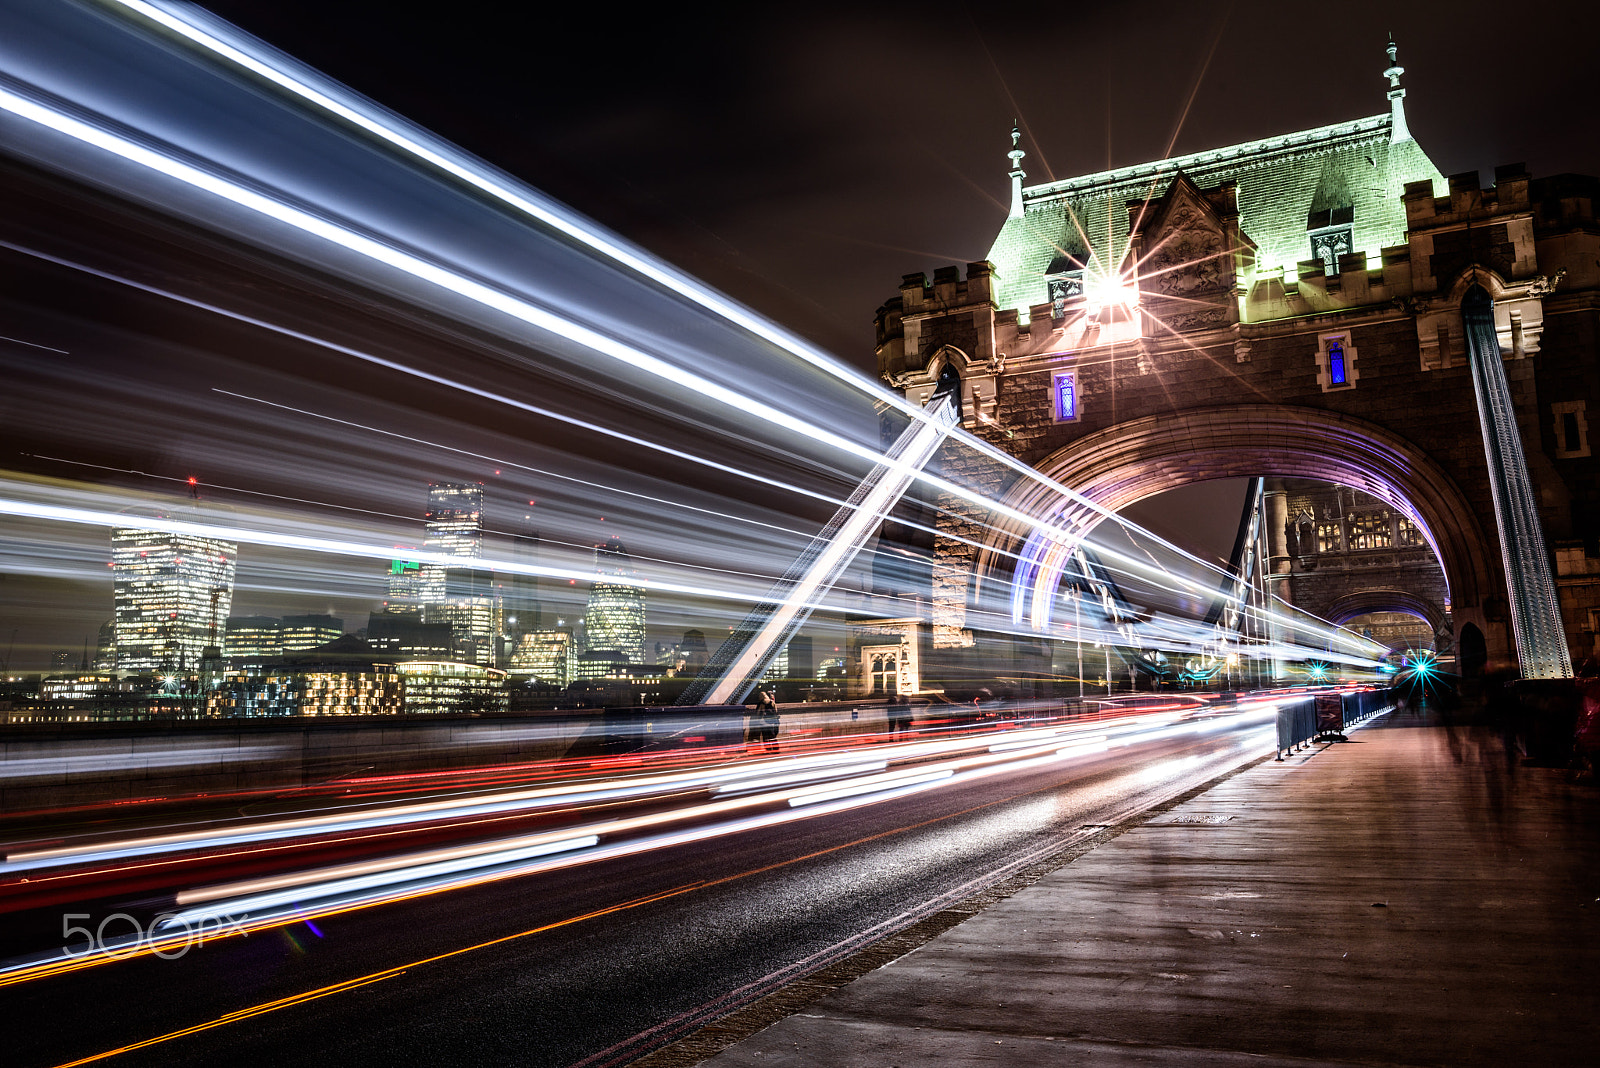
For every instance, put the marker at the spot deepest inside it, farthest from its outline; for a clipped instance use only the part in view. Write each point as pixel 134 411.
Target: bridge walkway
pixel 1410 897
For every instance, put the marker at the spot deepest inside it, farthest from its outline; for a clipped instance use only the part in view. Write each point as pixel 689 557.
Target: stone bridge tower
pixel 1289 307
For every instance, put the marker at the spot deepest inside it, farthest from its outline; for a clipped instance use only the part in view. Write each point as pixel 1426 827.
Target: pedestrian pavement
pixel 1408 897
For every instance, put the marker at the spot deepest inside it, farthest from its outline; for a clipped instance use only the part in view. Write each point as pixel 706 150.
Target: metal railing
pixel 1324 716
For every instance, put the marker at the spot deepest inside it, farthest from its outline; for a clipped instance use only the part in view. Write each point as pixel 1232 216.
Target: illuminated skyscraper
pixel 455 528
pixel 172 593
pixel 614 620
pixel 460 596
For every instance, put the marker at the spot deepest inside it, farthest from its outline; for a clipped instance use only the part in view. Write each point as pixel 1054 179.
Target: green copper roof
pixel 1280 180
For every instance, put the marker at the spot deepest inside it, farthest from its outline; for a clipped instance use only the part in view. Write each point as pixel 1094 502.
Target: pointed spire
pixel 1017 173
pixel 1397 108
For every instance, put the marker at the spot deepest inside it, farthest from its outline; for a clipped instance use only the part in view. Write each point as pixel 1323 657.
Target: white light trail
pixel 308 894
pixel 391 877
pixel 542 319
pixel 226 42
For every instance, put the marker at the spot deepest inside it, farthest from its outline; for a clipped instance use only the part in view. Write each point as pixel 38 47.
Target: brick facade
pixel 1219 369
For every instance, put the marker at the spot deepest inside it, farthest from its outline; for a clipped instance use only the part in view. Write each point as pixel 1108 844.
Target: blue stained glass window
pixel 1336 362
pixel 1064 388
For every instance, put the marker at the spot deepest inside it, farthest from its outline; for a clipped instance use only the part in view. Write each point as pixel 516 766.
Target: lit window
pixel 1328 540
pixel 1064 396
pixel 884 666
pixel 1406 532
pixel 1369 531
pixel 1336 362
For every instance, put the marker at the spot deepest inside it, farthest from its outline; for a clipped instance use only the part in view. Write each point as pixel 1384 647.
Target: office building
pixel 450 688
pixel 105 647
pixel 404 582
pixel 253 637
pixel 461 596
pixel 301 633
pixel 405 635
pixel 614 619
pixel 351 689
pixel 545 655
pixel 172 592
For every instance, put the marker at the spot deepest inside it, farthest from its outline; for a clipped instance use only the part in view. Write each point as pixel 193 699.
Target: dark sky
pixel 804 157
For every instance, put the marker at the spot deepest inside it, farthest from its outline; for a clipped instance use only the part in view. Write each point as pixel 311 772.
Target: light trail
pixel 560 326
pixel 284 897
pixel 1185 635
pixel 529 313
pixel 226 42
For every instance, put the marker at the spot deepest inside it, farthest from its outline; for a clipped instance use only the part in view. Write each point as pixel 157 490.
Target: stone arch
pixel 947 356
pixel 1389 600
pixel 1119 465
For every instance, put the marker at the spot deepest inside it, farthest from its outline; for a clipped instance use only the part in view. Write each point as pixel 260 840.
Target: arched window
pixel 1328 538
pixel 884 668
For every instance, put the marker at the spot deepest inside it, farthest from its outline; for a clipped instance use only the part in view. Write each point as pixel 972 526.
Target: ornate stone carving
pixel 1200 320
pixel 1541 286
pixel 1188 261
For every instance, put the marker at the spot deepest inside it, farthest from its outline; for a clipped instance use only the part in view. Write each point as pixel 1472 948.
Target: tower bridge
pixel 1291 308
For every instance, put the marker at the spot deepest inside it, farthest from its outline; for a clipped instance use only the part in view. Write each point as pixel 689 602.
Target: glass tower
pixel 460 596
pixel 614 620
pixel 455 528
pixel 172 594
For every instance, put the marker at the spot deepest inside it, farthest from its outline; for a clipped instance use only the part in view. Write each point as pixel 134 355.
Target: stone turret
pixel 1397 97
pixel 1017 173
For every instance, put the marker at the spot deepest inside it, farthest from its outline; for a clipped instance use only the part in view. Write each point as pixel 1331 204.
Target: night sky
pixel 803 159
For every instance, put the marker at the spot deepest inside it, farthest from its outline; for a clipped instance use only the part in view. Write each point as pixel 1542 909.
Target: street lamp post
pixel 1077 628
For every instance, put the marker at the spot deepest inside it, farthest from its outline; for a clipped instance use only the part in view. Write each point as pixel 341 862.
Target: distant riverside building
pixel 473 618
pixel 779 668
pixel 520 593
pixel 263 637
pixel 105 648
pixel 302 633
pixel 79 686
pixel 693 652
pixel 544 654
pixel 600 664
pixel 445 687
pixel 614 619
pixel 406 636
pixel 333 690
pixel 172 594
pixel 455 519
pixel 253 637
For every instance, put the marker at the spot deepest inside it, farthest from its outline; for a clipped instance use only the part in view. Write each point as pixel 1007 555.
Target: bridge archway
pixel 1130 461
pixel 1367 602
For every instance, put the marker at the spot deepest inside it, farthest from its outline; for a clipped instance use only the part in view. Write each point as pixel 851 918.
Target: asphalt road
pixel 595 964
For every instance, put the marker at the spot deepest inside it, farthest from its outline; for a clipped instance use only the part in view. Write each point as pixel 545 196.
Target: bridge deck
pixel 1406 898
